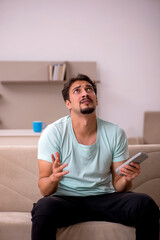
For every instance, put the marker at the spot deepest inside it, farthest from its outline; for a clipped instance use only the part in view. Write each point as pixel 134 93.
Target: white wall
pixel 122 36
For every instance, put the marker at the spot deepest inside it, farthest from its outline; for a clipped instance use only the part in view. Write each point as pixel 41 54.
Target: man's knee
pixel 145 205
pixel 148 202
pixel 46 206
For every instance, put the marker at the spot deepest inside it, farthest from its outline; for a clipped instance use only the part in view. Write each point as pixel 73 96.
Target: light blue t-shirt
pixel 89 165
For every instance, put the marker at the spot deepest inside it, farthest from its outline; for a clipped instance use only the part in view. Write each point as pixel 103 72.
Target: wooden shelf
pixel 34 82
pixel 42 72
pixel 57 82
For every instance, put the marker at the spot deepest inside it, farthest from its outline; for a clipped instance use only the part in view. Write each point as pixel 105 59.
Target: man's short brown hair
pixel 79 77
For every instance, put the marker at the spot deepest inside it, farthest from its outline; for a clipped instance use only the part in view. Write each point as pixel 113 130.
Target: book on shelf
pixel 63 75
pixel 57 72
pixel 50 70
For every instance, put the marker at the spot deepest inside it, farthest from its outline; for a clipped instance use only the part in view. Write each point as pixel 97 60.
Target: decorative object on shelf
pixel 57 72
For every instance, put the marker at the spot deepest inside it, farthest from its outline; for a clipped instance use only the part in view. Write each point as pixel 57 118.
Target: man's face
pixel 82 98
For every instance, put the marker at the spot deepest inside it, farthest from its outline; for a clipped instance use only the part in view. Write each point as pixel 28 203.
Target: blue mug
pixel 38 126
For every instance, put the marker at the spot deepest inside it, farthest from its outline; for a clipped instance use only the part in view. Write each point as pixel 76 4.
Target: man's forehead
pixel 80 84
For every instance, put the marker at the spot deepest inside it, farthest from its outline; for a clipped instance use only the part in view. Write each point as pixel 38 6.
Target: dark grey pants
pixel 131 209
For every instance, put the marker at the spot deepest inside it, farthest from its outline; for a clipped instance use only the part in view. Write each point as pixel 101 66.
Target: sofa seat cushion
pixel 96 230
pixel 17 225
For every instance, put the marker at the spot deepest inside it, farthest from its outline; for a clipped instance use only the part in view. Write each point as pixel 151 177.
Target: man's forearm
pixel 121 185
pixel 47 186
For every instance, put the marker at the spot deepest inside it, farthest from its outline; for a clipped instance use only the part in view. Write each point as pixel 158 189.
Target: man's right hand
pixel 57 168
pixel 50 174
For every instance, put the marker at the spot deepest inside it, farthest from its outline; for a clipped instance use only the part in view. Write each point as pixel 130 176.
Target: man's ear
pixel 68 105
pixel 96 101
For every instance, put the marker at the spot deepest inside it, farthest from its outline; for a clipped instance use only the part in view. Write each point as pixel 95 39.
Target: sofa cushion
pixel 17 225
pixel 149 180
pixel 151 131
pixel 96 230
pixel 18 178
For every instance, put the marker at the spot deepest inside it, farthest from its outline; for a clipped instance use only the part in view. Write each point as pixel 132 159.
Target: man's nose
pixel 84 92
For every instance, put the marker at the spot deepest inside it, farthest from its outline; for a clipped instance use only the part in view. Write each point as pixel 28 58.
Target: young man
pixel 78 155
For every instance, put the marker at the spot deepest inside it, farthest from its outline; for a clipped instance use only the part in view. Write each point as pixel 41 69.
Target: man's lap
pixel 113 207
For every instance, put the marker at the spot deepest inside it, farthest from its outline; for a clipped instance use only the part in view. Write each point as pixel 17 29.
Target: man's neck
pixel 85 128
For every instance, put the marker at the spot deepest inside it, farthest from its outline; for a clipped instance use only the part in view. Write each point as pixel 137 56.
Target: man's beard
pixel 87 110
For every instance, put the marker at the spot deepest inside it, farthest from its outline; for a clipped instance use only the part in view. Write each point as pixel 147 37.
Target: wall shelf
pixel 32 82
pixel 39 82
pixel 42 72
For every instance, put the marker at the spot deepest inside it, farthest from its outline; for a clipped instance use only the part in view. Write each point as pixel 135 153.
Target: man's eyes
pixel 77 91
pixel 88 89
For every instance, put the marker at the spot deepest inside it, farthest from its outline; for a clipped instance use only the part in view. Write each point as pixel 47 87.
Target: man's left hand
pixel 131 171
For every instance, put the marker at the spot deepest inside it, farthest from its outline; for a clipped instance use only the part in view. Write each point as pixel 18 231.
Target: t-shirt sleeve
pixel 48 144
pixel 120 152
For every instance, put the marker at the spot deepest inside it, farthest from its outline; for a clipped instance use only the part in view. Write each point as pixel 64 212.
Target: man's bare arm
pixel 50 175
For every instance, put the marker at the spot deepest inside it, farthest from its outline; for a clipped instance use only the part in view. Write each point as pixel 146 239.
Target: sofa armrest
pixel 149 180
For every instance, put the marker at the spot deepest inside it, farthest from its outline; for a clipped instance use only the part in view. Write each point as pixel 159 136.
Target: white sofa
pixel 18 191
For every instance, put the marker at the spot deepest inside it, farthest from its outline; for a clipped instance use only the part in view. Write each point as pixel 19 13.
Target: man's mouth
pixel 85 100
